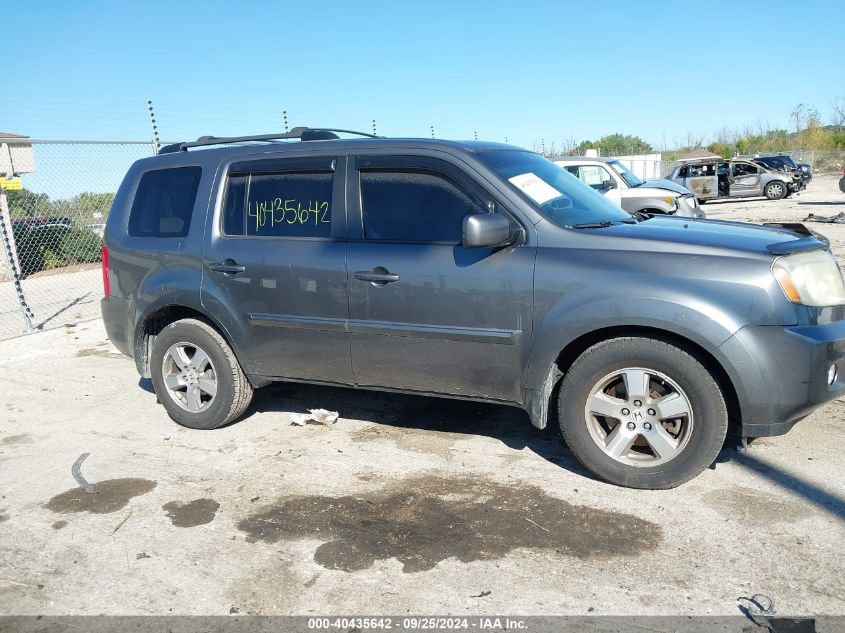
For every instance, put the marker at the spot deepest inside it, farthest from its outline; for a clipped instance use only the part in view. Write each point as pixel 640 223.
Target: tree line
pixel 808 132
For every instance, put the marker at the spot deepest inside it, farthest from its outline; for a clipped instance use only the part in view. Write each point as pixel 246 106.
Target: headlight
pixel 811 279
pixel 672 202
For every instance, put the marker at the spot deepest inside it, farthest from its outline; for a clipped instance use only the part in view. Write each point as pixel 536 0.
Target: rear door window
pixel 164 202
pixel 289 204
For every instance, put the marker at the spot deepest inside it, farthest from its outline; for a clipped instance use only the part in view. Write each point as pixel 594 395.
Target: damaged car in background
pixel 784 163
pixel 612 178
pixel 720 178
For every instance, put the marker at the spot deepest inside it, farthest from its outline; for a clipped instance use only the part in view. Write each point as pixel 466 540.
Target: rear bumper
pixel 119 322
pixel 781 374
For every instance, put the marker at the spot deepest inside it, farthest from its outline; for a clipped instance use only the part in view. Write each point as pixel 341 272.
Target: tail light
pixel 106 285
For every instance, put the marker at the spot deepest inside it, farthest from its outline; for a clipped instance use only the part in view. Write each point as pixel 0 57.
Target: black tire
pixel 781 188
pixel 842 184
pixel 233 394
pixel 707 404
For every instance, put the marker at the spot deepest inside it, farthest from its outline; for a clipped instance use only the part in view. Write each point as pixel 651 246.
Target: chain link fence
pixel 52 228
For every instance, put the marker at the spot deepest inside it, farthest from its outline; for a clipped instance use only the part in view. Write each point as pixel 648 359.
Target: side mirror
pixel 608 184
pixel 486 229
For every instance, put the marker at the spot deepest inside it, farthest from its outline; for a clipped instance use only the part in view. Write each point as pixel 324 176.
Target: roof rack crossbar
pixel 295 133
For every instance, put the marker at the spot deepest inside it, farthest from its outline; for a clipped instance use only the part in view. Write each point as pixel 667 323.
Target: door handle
pixel 228 266
pixel 376 277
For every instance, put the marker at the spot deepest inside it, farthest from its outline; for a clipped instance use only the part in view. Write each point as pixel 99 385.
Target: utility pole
pixel 432 131
pixel 374 128
pixel 156 143
pixel 285 120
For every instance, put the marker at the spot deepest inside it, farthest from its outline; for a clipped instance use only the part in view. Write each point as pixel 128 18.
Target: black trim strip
pixel 419 330
pixel 298 322
pixel 388 328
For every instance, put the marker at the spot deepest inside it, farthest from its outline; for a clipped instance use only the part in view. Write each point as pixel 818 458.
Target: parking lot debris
pixel 120 525
pixel 757 608
pixel 839 218
pixel 141 555
pixel 537 524
pixel 314 416
pixel 76 471
pixel 483 594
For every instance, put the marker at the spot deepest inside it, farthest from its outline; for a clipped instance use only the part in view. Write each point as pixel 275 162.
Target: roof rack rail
pixel 301 133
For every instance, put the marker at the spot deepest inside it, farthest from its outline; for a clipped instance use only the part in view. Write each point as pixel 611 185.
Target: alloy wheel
pixel 189 376
pixel 639 417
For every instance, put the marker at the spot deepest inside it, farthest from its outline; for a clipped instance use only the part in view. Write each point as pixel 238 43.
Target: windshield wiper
pixel 593 225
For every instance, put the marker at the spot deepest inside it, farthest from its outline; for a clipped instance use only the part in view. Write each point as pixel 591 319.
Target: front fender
pixel 706 325
pixel 656 204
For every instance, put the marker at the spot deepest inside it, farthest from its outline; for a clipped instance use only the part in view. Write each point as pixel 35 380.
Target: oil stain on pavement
pixel 102 353
pixel 16 440
pixel 191 514
pixel 747 505
pixel 425 520
pixel 109 496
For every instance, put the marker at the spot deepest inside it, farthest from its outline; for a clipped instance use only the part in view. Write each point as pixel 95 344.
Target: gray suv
pixel 466 270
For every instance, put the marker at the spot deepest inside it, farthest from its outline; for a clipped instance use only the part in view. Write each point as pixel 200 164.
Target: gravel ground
pixel 406 504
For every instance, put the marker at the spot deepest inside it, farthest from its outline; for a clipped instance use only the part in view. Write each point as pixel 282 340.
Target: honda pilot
pixel 466 270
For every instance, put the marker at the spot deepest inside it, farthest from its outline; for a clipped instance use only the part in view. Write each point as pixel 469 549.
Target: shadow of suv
pixel 467 270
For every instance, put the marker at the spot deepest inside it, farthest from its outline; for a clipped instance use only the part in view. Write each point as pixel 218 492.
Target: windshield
pixel 557 194
pixel 627 175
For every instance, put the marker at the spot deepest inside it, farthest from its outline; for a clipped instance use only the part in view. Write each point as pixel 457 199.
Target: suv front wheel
pixel 642 413
pixel 775 190
pixel 196 376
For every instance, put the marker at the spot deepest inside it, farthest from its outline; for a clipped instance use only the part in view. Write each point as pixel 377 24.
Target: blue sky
pixel 523 70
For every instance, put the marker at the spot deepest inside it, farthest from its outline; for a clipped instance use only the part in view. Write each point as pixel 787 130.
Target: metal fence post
pixel 7 237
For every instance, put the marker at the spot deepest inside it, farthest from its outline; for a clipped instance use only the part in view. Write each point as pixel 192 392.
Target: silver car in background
pixel 720 178
pixel 612 178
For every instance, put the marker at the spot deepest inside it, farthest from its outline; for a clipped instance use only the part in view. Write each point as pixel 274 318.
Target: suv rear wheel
pixel 196 376
pixel 642 413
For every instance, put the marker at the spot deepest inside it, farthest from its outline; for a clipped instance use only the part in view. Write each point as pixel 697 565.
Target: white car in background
pixel 613 179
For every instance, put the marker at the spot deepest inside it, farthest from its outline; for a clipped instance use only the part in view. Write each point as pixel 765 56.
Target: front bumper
pixel 781 374
pixel 689 208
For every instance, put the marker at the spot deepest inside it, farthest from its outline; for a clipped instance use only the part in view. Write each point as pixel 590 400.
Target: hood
pixel 666 184
pixel 703 235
